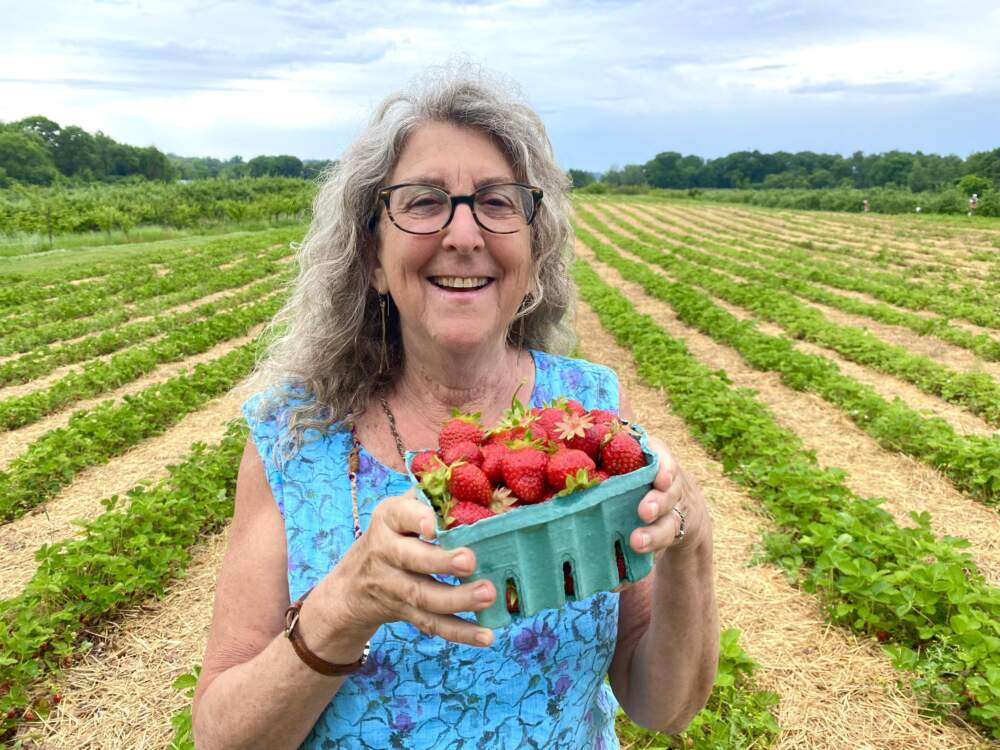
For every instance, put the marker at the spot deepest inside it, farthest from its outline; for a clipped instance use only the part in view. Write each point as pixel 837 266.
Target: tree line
pixel 38 151
pixel 918 172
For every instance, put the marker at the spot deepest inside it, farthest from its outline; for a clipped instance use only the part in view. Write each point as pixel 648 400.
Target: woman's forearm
pixel 673 666
pixel 273 700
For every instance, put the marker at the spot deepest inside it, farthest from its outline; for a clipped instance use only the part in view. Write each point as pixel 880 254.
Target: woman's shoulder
pixel 593 384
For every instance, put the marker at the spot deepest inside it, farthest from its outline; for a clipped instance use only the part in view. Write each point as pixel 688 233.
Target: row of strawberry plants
pixel 100 376
pixel 938 271
pixel 976 391
pixel 911 251
pixel 110 276
pixel 897 289
pixel 155 287
pixel 42 361
pixel 971 462
pixel 923 597
pixel 120 558
pixel 93 437
pixel 209 281
pixel 22 289
pixel 783 277
pixel 819 241
pixel 43 291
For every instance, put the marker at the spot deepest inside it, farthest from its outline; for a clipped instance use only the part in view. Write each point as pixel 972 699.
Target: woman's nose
pixel 463 232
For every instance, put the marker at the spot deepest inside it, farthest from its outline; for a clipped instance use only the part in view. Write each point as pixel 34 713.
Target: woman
pixel 434 277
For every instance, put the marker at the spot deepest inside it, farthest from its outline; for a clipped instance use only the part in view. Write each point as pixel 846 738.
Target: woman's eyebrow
pixel 438 182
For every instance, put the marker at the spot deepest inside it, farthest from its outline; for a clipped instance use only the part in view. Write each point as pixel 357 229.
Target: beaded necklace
pixel 354 461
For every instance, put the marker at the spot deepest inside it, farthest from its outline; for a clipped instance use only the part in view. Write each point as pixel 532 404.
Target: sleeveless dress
pixel 540 685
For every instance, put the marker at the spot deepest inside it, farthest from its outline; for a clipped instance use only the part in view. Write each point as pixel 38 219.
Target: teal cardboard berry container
pixel 536 546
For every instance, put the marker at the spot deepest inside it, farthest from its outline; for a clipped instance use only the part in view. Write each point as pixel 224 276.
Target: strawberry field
pixel 831 381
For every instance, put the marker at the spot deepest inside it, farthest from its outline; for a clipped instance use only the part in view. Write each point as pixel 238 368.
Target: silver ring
pixel 681 530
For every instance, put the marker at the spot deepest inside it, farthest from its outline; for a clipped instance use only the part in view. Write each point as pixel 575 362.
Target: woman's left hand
pixel 674 510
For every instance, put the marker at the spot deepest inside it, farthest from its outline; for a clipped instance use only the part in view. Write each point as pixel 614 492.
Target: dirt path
pixel 120 696
pixel 908 485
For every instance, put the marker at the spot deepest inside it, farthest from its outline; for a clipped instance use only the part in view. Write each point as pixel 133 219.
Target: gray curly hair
pixel 326 342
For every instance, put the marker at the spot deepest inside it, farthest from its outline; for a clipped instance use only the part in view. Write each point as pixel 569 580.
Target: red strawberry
pixel 468 484
pixel 425 461
pixel 620 559
pixel 600 475
pixel 513 606
pixel 575 406
pixel 458 429
pixel 466 513
pixel 524 473
pixel 493 461
pixel 579 432
pixel 564 463
pixel 568 586
pixel 505 436
pixel 548 418
pixel 622 454
pixel 464 451
pixel 602 416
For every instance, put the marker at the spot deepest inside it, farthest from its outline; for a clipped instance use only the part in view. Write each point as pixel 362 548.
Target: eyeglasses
pixel 424 209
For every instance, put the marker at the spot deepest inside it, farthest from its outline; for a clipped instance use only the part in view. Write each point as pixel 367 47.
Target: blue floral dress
pixel 541 683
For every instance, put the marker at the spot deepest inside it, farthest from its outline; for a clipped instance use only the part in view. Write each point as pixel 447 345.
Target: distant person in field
pixel 865 204
pixel 973 202
pixel 435 276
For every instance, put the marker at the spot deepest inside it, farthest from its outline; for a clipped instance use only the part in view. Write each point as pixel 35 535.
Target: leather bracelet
pixel 311 660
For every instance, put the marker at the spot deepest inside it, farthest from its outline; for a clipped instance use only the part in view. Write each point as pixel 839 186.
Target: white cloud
pixel 170 71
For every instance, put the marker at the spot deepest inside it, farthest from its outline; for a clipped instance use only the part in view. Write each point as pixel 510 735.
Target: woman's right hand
pixel 386 576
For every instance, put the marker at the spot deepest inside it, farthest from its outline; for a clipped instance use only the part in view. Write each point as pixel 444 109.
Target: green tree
pixel 973 183
pixel 580 178
pixel 985 164
pixel 24 158
pixel 43 127
pixel 75 153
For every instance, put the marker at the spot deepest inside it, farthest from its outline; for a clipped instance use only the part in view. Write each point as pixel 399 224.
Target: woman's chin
pixel 459 341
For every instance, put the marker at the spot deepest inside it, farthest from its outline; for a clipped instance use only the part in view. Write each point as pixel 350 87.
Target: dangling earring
pixel 384 356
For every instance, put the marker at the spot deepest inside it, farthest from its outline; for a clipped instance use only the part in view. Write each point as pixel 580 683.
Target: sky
pixel 615 81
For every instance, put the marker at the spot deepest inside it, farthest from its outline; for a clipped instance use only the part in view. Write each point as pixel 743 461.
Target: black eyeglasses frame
pixel 457 200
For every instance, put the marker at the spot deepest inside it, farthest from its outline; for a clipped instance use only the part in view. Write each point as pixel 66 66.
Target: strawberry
pixel 459 428
pixel 622 454
pixel 505 436
pixel 468 484
pixel 511 598
pixel 579 432
pixel 565 463
pixel 620 560
pixel 568 586
pixel 524 472
pixel 466 513
pixel 466 451
pixel 492 464
pixel 548 418
pixel 602 416
pixel 599 476
pixel 575 406
pixel 425 461
pixel 502 500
